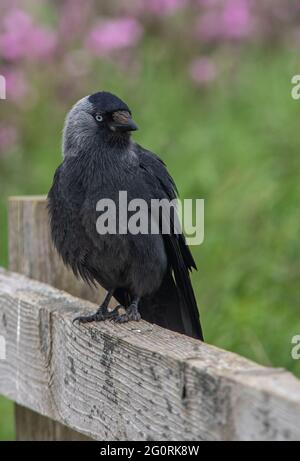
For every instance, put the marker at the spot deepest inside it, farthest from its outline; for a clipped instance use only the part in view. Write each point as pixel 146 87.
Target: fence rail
pixel 122 382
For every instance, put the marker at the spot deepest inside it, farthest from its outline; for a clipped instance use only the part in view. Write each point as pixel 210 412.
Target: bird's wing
pixel 65 226
pixel 179 256
pixel 163 186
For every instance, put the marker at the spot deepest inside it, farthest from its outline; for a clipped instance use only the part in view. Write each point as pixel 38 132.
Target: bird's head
pixel 99 117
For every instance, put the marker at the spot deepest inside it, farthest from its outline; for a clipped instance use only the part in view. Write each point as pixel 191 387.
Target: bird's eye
pixel 99 118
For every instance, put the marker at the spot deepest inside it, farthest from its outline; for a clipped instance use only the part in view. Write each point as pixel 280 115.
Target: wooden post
pixel 32 426
pixel 32 254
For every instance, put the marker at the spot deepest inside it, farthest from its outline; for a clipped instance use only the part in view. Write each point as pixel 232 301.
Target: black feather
pixel 180 310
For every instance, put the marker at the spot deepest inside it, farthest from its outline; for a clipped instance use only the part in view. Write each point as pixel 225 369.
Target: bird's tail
pixel 174 307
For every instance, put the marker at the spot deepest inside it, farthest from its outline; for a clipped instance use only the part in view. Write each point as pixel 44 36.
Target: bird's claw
pixel 98 316
pixel 131 314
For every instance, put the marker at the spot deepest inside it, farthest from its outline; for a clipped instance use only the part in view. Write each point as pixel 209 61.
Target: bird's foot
pixel 131 314
pixel 99 316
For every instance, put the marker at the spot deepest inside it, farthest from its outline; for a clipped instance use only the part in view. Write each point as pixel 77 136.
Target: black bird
pixel 148 274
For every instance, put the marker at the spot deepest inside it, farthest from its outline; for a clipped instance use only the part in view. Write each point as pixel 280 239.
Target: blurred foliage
pixel 6 420
pixel 230 138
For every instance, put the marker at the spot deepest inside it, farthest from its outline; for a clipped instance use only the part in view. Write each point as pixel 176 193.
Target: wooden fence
pixel 119 382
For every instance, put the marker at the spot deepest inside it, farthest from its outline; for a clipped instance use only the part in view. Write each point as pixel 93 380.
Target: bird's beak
pixel 122 121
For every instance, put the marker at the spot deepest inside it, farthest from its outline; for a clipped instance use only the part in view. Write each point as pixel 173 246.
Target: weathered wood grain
pixel 134 381
pixel 34 427
pixel 31 253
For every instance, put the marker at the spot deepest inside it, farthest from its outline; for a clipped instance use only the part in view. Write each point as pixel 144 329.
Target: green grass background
pixel 237 146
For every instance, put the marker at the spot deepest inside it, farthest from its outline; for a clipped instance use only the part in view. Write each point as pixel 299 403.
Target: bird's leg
pixel 101 314
pixel 132 313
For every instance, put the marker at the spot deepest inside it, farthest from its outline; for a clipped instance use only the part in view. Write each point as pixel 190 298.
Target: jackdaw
pixel 147 273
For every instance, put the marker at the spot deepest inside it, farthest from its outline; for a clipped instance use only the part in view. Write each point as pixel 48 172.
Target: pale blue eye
pixel 99 118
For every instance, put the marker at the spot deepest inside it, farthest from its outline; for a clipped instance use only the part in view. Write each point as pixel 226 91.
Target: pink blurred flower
pixel 41 43
pixel 233 20
pixel 236 19
pixel 16 25
pixel 203 70
pixel 114 34
pixel 163 7
pixel 20 38
pixel 18 19
pixel 8 138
